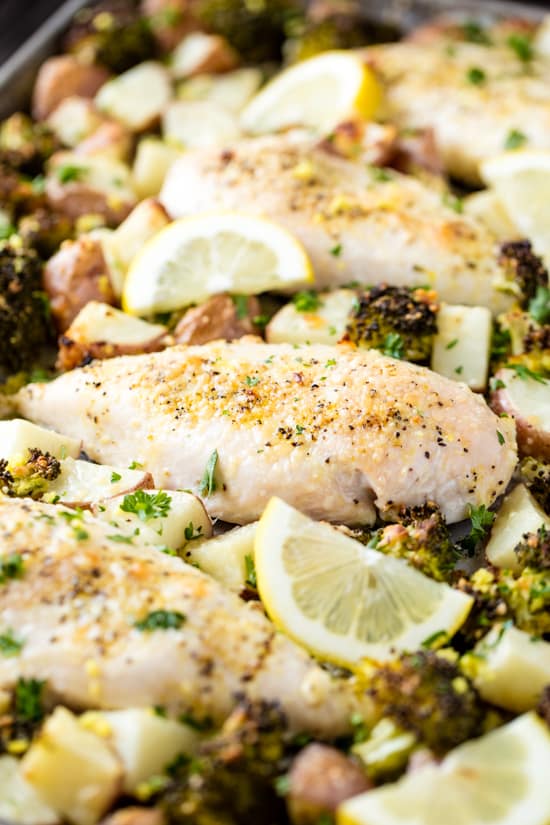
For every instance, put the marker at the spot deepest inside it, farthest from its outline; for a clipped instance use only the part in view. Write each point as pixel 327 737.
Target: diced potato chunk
pixel 73 770
pixel 148 218
pixel 232 90
pixel 225 557
pixel 487 207
pixel 462 345
pixel 153 159
pixel 518 515
pixel 19 802
pixel 200 52
pixel 74 119
pixel 137 97
pixel 18 436
pixel 81 482
pixel 514 668
pixel 184 519
pixel 324 325
pixel 144 741
pixel 199 123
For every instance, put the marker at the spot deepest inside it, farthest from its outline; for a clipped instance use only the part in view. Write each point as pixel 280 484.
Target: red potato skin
pixel 147 483
pixel 108 136
pixel 77 198
pixel 73 353
pixel 216 318
pixel 321 778
pixel 74 276
pixel 135 816
pixel 61 77
pixel 531 440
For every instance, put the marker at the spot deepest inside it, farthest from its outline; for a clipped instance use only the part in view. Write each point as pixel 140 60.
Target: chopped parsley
pixel 497 384
pixel 331 362
pixel 120 539
pixel 306 301
pixel 380 174
pixel 208 481
pixel 501 439
pixel 459 370
pixel 251 381
pixel 300 429
pixel 160 620
pixel 435 639
pixel 69 173
pixel 190 534
pixel 481 519
pixel 393 345
pixel 80 533
pixel 539 305
pixel 452 202
pixel 241 306
pixel 135 465
pixel 147 506
pixel 250 567
pixel 523 372
pixel 115 477
pixel 476 76
pixel 9 645
pixel 452 343
pixel 28 700
pixel 522 46
pixel 474 32
pixel 514 139
pixel 336 250
pixel 11 567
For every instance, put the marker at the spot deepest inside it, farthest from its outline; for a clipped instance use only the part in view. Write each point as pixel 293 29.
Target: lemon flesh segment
pixel 342 601
pixel 317 93
pixel 521 180
pixel 194 258
pixel 499 779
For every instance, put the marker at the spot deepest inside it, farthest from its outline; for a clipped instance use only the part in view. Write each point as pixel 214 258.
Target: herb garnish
pixel 28 700
pixel 523 372
pixel 476 76
pixel 251 579
pixel 160 620
pixel 208 481
pixel 306 301
pixel 147 506
pixel 70 173
pixel 393 345
pixel 514 139
pixel 539 305
pixel 9 645
pixel 11 567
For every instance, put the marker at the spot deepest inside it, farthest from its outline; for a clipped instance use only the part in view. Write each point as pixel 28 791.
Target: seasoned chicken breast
pixel 473 95
pixel 385 226
pixel 332 430
pixel 77 607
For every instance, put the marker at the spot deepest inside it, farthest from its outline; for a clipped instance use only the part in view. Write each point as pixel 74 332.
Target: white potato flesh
pixel 81 482
pixel 527 399
pixel 19 802
pixel 136 97
pixel 224 557
pixel 111 253
pixel 232 90
pixel 98 322
pixel 152 161
pixel 72 769
pixel 201 52
pixel 18 436
pixel 324 325
pixel 144 741
pixel 462 344
pixel 514 668
pixel 142 223
pixel 185 519
pixel 199 123
pixel 519 514
pixel 487 207
pixel 74 120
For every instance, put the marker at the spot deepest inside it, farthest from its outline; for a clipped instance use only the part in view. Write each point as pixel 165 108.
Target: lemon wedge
pixel 521 180
pixel 341 600
pixel 194 258
pixel 318 93
pixel 499 779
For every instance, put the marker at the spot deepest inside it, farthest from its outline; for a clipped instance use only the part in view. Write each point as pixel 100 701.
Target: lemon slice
pixel 194 258
pixel 342 601
pixel 319 93
pixel 500 779
pixel 521 180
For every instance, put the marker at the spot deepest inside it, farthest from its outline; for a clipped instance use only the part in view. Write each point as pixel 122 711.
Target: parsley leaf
pixel 115 477
pixel 147 506
pixel 393 345
pixel 208 481
pixel 481 519
pixel 336 250
pixel 70 173
pixel 9 645
pixel 522 46
pixel 453 202
pixel 473 32
pixel 28 700
pixel 539 306
pixel 241 306
pixel 306 301
pixel 525 373
pixel 190 534
pixel 452 343
pixel 251 381
pixel 250 567
pixel 160 620
pixel 514 139
pixel 476 76
pixel 501 439
pixel 11 567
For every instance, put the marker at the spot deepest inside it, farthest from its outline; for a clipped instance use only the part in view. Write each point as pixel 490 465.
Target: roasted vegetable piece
pixel 533 551
pixel 170 21
pixel 45 231
pixel 536 476
pixel 343 28
pixel 25 325
pixel 222 316
pixel 232 780
pixel 395 320
pixel 61 77
pixel 25 145
pixel 112 33
pixel 423 540
pixel 428 695
pixel 524 268
pixel 30 478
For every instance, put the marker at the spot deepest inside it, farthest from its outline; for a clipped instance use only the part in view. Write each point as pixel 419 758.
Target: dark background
pixel 19 18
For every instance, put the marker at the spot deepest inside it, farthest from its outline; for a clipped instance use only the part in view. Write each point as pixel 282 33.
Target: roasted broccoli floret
pixel 112 33
pixel 521 339
pixel 535 474
pixel 25 145
pixel 398 321
pixel 232 780
pixel 31 478
pixel 534 550
pixel 523 268
pixel 423 540
pixel 25 325
pixel 45 231
pixel 255 28
pixel 427 694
